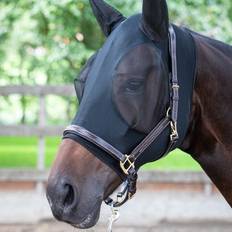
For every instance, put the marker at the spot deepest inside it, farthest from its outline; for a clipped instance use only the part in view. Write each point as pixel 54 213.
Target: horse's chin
pixel 88 221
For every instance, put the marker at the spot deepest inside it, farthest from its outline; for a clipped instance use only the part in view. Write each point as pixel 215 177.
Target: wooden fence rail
pixel 42 129
pixel 37 90
pixel 24 130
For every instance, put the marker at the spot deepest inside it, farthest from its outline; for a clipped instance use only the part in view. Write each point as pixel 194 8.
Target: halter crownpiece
pixel 126 162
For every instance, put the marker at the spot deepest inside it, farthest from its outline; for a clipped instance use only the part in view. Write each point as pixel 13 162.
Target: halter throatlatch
pixel 126 162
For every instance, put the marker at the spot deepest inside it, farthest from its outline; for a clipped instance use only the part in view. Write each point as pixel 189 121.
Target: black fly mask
pixel 129 87
pixel 117 89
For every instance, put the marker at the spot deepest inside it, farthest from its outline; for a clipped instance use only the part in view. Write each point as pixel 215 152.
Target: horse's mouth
pixel 90 220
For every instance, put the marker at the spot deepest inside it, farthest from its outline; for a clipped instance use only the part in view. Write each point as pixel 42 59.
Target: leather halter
pixel 127 161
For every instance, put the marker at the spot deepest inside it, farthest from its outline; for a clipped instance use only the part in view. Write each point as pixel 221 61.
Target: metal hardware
pixel 130 196
pixel 113 218
pixel 120 196
pixel 174 133
pixel 127 164
pixel 175 86
pixel 168 112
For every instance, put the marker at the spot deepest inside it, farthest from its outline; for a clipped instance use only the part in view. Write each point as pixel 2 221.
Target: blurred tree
pixel 48 41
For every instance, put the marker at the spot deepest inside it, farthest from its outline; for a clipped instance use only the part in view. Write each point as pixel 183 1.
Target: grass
pixel 22 152
pixel 176 160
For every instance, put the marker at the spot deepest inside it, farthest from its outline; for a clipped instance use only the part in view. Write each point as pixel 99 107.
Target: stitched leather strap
pixel 174 80
pixel 150 138
pixel 99 142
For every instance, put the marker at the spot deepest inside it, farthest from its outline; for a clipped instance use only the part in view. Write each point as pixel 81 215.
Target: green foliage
pixel 48 41
pixel 41 41
pixel 210 17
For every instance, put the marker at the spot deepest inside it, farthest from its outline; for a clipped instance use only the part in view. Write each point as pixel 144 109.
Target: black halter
pixel 127 161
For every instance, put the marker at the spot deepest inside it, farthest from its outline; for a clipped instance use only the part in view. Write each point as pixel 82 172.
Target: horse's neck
pixel 212 98
pixel 209 139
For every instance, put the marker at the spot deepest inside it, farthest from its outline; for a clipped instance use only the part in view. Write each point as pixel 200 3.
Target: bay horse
pixel 152 87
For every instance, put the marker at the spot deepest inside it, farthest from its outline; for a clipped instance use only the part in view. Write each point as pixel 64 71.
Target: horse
pixel 151 88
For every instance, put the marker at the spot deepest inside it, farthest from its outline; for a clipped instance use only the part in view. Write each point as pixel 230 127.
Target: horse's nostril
pixel 70 195
pixel 62 196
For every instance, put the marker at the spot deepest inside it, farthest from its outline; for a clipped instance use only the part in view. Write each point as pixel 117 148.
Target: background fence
pixel 41 130
pixel 198 180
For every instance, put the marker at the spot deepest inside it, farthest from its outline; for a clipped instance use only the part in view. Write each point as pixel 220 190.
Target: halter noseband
pixel 127 161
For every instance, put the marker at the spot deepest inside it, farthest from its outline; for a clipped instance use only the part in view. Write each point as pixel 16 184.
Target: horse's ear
pixel 107 17
pixel 155 21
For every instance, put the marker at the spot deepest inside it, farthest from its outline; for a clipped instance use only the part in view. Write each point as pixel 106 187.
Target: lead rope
pixel 113 218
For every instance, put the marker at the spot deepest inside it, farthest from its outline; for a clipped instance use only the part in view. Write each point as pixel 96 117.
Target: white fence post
pixel 41 141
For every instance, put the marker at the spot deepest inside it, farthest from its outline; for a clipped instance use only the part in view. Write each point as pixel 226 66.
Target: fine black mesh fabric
pixel 139 89
pixel 123 91
pixel 79 82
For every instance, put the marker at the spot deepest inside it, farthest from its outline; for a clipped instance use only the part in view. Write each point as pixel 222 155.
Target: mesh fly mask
pixel 115 118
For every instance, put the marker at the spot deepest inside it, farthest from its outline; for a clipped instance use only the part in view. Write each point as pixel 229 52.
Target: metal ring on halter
pixel 120 197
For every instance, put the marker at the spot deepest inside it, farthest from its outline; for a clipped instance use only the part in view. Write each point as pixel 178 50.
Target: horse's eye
pixel 134 86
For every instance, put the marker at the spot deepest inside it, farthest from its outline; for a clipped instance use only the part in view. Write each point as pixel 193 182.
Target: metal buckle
pixel 130 196
pixel 127 164
pixel 168 112
pixel 117 199
pixel 175 86
pixel 174 134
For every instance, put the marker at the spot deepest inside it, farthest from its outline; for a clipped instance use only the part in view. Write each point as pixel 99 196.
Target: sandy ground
pixel 162 227
pixel 148 211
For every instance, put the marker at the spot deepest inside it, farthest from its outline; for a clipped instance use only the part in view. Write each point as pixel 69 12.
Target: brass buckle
pixel 127 164
pixel 174 134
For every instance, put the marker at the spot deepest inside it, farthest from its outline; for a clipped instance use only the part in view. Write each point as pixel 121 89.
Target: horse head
pixel 123 92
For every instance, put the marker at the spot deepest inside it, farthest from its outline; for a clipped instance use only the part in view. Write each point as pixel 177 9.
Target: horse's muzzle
pixel 66 206
pixel 62 196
